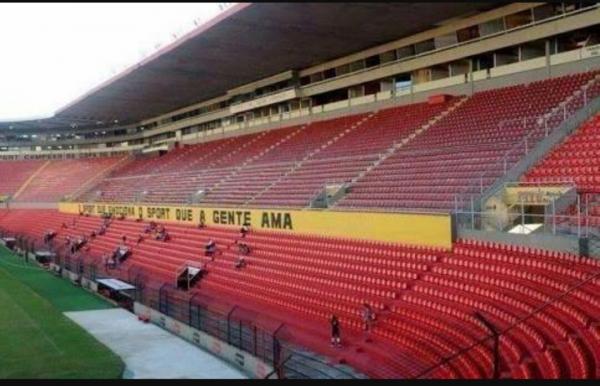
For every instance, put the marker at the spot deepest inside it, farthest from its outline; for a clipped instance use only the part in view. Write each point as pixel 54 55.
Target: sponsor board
pixel 405 228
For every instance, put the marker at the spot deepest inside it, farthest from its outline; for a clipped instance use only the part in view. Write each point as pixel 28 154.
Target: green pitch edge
pixel 59 292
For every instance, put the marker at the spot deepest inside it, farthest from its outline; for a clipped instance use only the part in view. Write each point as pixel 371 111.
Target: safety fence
pixel 269 340
pixel 513 344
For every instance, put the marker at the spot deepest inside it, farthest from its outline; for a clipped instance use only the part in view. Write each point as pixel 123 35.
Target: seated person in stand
pixel 160 232
pixel 210 248
pixel 49 235
pixel 244 230
pixel 150 227
pixel 140 239
pixel 163 236
pixel 244 248
pixel 80 242
pixel 111 262
pixel 240 262
pixel 121 253
pixel 201 224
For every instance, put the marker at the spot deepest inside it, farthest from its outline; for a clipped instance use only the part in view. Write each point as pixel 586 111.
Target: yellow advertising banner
pixel 416 229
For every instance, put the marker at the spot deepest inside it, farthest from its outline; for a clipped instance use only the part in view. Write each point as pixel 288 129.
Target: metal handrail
pixel 512 326
pixel 525 143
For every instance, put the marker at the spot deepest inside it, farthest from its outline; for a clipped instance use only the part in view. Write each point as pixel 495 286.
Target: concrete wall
pixel 30 205
pixel 444 29
pixel 508 39
pixel 252 366
pixel 543 240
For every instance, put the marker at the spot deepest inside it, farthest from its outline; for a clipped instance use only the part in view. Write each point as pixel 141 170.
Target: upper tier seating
pixel 268 169
pixel 450 157
pixel 174 177
pixel 63 177
pixel 13 174
pixel 543 302
pixel 284 167
pixel 389 163
pixel 344 159
pixel 231 173
pixel 576 160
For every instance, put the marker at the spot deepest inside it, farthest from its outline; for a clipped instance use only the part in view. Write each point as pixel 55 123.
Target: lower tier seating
pixel 543 303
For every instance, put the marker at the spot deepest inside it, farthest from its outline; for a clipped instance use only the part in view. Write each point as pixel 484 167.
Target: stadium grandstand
pixel 419 180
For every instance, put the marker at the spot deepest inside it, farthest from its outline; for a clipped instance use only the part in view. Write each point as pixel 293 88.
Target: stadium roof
pixel 248 42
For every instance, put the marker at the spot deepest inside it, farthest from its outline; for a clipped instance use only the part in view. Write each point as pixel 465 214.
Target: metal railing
pixel 576 220
pixel 535 129
pixel 499 336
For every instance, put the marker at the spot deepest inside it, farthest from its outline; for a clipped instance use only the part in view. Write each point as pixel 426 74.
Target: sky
pixel 50 54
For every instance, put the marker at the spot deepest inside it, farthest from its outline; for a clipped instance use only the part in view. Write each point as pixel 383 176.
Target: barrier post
pixel 255 342
pixel 229 324
pixel 498 225
pixel 587 217
pixel 472 214
pixel 553 216
pixel 522 215
pixel 496 337
pixel 190 311
pixel 240 334
pixel 277 351
pixel 578 215
pixel 163 306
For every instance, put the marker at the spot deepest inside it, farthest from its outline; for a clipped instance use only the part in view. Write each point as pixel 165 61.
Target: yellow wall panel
pixel 417 229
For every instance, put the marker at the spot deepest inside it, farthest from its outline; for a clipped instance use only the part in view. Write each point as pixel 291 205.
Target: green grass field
pixel 36 339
